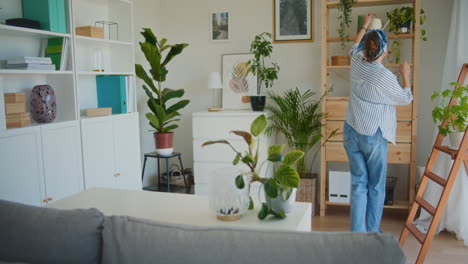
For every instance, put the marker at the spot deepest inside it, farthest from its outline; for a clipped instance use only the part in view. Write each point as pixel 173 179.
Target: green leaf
pixel 141 73
pixel 215 142
pixel 240 182
pixel 177 106
pixel 247 159
pixel 292 157
pixel 154 122
pixel 263 211
pixel 287 176
pixel 174 51
pixel 246 135
pixel 271 188
pixel 236 160
pixel 169 94
pixel 258 125
pixel 275 149
pixel 281 215
pixel 275 157
pixel 149 36
pixel 169 128
pixel 251 203
pixel 285 194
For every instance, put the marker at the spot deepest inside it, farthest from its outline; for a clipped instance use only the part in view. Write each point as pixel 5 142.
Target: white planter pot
pixel 455 140
pixel 280 205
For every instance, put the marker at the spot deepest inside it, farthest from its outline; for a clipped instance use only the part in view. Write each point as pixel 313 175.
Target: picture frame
pixel 238 82
pixel 219 26
pixel 293 21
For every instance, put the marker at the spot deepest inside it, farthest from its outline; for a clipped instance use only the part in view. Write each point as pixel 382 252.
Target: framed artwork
pixel 237 81
pixel 293 21
pixel 219 26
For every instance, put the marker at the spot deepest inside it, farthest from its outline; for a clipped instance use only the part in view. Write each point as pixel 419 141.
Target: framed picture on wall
pixel 293 21
pixel 219 26
pixel 238 82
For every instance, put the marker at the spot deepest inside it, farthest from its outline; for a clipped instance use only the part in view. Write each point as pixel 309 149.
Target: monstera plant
pixel 279 188
pixel 164 112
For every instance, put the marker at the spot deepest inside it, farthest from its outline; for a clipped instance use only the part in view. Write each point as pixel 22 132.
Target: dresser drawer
pixel 218 127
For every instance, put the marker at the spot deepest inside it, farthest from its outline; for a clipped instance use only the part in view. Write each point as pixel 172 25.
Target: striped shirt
pixel 374 93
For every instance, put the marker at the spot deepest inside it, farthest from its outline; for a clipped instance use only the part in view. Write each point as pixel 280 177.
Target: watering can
pixel 376 23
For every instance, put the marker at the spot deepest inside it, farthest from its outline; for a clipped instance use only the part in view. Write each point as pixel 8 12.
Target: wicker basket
pixel 307 192
pixel 340 60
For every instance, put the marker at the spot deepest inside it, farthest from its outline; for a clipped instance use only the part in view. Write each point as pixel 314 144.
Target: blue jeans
pixel 368 165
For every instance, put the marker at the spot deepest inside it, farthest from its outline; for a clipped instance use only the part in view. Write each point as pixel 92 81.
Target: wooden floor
pixel 445 247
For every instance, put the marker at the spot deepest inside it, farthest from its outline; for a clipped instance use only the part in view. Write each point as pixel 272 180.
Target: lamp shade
pixel 214 81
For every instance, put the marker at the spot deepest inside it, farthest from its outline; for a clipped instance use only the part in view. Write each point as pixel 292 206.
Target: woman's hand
pixel 405 68
pixel 367 20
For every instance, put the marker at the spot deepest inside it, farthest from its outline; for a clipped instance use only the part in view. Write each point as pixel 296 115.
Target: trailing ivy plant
pixel 345 7
pixel 456 114
pixel 398 17
pixel 285 177
pixel 262 48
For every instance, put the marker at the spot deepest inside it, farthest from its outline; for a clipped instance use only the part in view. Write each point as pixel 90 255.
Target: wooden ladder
pixel 459 156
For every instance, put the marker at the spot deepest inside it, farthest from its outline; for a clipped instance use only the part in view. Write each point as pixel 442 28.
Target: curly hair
pixel 371 46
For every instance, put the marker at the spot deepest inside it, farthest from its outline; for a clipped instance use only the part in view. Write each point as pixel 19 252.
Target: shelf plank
pixel 364 3
pixel 104 73
pixel 103 41
pixel 28 32
pixel 347 66
pixel 6 71
pixel 402 36
pixel 396 205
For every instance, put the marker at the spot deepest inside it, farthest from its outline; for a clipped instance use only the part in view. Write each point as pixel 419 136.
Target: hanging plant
pixel 400 23
pixel 345 19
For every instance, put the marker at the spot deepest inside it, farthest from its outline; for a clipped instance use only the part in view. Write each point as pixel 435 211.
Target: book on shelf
pixel 50 14
pixel 31 66
pixel 33 60
pixel 57 50
pixel 112 92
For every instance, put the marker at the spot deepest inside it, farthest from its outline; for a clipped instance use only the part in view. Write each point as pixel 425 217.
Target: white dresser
pixel 209 126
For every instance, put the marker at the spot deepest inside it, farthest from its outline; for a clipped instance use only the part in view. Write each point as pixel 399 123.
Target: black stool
pixel 157 156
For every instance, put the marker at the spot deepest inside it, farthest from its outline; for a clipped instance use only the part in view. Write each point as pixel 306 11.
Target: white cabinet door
pixel 127 152
pixel 21 168
pixel 61 147
pixel 98 152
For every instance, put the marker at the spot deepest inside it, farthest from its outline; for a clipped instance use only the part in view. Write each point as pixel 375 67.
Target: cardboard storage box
pixel 339 186
pixel 90 31
pixel 15 108
pixel 15 98
pixel 104 111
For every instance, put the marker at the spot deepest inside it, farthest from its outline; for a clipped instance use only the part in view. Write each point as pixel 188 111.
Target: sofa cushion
pixel 46 235
pixel 132 240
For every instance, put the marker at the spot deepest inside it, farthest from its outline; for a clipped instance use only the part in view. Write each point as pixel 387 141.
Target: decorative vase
pixel 279 205
pixel 258 102
pixel 455 138
pixel 164 143
pixel 43 104
pixel 226 200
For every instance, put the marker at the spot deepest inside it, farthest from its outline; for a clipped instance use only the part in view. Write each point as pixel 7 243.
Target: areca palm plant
pixel 296 115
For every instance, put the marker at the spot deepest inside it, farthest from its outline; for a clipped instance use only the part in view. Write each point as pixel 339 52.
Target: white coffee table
pixel 178 208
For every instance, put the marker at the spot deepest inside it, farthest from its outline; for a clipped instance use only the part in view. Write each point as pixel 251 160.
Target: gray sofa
pixel 31 234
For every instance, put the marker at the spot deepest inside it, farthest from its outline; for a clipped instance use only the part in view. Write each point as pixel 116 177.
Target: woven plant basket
pixel 307 192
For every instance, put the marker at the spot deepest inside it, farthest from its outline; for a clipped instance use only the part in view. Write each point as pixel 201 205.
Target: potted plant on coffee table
pixel 297 117
pixel 280 189
pixel 455 114
pixel 262 48
pixel 164 114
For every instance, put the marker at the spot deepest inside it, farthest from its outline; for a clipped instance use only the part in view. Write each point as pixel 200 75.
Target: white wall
pixel 188 21
pixel 147 15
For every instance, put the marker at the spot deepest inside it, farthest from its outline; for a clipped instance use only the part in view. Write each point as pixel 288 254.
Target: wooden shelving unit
pixel 404 152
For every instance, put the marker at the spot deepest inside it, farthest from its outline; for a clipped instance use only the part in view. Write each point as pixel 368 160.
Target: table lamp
pixel 215 84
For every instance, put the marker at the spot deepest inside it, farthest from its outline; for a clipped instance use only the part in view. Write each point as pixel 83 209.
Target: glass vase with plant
pixel 400 20
pixel 278 189
pixel 163 116
pixel 345 7
pixel 262 48
pixel 454 112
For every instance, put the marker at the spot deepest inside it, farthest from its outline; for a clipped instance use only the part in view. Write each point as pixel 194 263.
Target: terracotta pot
pixel 164 143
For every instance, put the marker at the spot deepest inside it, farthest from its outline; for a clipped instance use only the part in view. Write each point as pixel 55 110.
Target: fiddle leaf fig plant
pixel 285 177
pixel 262 48
pixel 163 116
pixel 456 115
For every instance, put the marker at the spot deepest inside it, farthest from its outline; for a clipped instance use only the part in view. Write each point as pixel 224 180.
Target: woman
pixel 370 123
